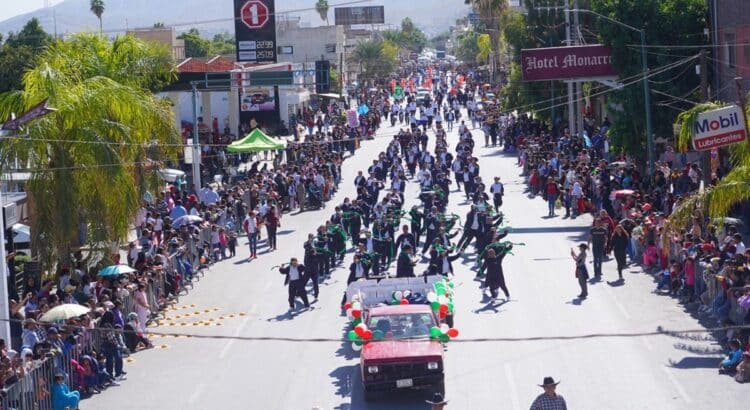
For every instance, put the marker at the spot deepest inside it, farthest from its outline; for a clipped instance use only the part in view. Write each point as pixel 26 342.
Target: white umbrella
pixel 64 312
pixel 186 220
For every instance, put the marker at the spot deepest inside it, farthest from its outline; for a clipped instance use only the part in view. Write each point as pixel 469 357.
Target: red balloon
pixel 452 332
pixel 367 334
pixel 443 315
pixel 359 331
pixel 443 309
pixel 404 301
pixel 358 313
pixel 347 305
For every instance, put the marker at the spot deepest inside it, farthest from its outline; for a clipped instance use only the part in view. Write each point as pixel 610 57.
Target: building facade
pixel 162 35
pixel 731 46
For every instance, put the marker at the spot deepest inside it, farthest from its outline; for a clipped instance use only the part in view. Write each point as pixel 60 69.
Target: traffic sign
pixel 254 14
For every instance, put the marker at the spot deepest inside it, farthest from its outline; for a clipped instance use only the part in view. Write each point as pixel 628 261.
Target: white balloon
pixel 398 295
pixel 444 328
pixel 356 347
pixel 442 299
pixel 356 306
pixel 407 293
pixel 432 297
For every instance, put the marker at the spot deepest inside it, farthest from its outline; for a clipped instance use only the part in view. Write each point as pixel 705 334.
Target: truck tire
pixel 439 388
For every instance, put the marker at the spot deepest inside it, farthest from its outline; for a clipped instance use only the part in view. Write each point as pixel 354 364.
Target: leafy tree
pixel 222 44
pixel 97 7
pixel 18 53
pixel 92 154
pixel 467 48
pixel 670 22
pixel 195 45
pixel 408 37
pixel 376 59
pixel 490 12
pixel 321 6
pixel 716 201
pixel 485 48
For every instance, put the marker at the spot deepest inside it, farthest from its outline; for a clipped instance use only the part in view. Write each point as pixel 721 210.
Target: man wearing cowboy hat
pixel 549 400
pixel 437 402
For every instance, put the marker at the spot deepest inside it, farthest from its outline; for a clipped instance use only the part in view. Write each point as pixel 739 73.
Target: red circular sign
pixel 254 14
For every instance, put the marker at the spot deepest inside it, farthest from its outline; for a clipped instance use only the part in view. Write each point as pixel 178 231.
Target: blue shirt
pixel 177 212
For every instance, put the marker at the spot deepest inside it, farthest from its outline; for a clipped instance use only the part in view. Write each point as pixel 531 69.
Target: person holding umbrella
pixel 549 400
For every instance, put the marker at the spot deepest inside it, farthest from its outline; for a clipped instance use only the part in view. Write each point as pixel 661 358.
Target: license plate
pixel 404 383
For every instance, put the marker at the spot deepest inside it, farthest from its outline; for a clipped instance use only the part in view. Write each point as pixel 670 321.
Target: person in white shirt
pixel 250 225
pixel 497 190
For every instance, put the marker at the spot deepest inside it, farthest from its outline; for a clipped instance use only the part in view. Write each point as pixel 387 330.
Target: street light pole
pixel 646 88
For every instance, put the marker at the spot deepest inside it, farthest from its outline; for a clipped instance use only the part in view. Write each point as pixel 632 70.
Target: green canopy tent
pixel 256 141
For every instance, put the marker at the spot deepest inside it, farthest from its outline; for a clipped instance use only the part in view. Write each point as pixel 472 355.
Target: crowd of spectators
pixel 704 263
pixel 177 235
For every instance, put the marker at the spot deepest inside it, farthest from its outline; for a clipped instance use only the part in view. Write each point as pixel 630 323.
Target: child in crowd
pixel 730 363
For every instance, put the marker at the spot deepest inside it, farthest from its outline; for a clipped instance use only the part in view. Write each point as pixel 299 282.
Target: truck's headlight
pixel 372 369
pixel 433 365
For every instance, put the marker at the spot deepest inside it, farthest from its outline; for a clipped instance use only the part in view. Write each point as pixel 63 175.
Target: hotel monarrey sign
pixel 717 128
pixel 566 63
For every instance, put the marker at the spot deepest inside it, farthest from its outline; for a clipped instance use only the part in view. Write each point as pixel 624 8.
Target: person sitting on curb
pixel 729 364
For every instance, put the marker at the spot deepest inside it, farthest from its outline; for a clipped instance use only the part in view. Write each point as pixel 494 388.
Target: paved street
pixel 236 298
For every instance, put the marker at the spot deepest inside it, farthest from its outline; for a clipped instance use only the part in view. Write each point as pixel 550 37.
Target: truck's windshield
pixel 405 326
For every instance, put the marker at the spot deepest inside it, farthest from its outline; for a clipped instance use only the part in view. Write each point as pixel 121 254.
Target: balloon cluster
pixel 354 309
pixel 443 332
pixel 441 299
pixel 400 297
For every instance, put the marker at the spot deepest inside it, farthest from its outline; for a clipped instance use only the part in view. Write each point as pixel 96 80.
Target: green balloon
pixel 444 338
pixel 356 321
pixel 451 285
pixel 450 306
pixel 435 332
pixel 440 288
pixel 358 342
pixel 395 302
pixel 435 305
pixel 352 335
pixel 377 334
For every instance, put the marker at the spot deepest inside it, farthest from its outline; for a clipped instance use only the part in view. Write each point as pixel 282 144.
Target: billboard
pixel 717 128
pixel 566 63
pixel 348 16
pixel 255 30
pixel 257 99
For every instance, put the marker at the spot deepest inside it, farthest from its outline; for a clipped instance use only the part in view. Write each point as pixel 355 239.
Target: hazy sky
pixel 11 8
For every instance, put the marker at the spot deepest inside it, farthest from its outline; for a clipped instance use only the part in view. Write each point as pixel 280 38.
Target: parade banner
pixel 717 128
pixel 566 63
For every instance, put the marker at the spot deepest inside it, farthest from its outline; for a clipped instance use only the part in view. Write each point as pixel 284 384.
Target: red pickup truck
pixel 405 357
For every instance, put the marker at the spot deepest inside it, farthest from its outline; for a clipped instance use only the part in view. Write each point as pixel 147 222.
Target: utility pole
pixel 705 155
pixel 196 144
pixel 571 109
pixel 578 85
pixel 647 98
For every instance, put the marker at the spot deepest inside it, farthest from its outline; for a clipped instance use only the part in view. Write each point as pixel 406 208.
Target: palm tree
pixel 715 202
pixel 90 156
pixel 322 8
pixel 490 12
pixel 97 7
pixel 368 55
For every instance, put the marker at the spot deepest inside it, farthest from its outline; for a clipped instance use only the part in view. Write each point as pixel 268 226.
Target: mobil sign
pixel 718 128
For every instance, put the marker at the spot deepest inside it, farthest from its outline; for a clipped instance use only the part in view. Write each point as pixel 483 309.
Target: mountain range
pixel 211 16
